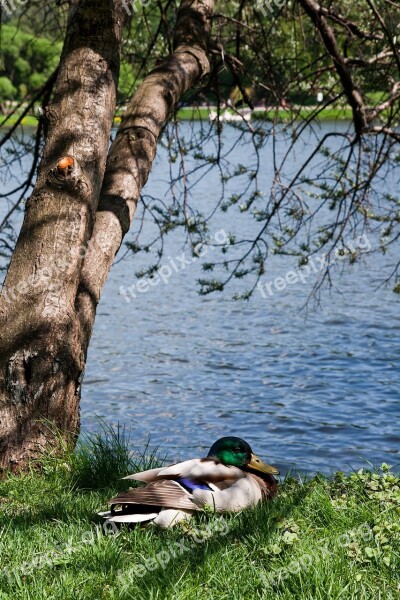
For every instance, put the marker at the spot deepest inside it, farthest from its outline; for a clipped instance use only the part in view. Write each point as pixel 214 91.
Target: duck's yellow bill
pixel 258 465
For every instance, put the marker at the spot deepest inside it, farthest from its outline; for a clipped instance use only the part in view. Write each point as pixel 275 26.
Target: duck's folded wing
pixel 202 469
pixel 147 476
pixel 164 493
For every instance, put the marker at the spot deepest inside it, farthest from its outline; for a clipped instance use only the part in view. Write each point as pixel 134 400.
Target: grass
pixel 319 539
pixel 202 114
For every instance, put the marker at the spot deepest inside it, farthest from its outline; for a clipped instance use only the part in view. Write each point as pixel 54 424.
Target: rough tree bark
pixel 68 240
pixel 40 362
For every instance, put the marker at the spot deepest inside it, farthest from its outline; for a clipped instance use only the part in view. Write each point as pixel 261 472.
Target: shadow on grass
pixel 61 489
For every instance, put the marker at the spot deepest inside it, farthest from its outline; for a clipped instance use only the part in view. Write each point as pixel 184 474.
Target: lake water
pixel 315 389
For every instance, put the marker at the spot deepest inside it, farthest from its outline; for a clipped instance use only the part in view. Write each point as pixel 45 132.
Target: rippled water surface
pixel 318 389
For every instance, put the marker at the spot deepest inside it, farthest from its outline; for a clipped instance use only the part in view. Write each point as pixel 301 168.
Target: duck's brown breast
pixel 268 485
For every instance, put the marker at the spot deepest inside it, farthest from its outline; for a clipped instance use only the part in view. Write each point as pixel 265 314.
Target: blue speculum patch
pixel 191 485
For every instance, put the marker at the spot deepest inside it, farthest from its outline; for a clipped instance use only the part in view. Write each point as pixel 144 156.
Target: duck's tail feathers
pixel 166 517
pixel 128 518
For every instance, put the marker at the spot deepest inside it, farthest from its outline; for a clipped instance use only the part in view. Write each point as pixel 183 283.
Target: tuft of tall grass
pixel 101 459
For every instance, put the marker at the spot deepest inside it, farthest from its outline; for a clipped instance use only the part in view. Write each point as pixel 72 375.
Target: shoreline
pixel 202 113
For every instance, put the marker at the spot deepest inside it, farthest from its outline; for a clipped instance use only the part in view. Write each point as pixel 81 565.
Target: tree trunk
pixel 66 248
pixel 41 361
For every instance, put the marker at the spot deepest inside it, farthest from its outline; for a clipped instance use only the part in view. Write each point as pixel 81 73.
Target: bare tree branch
pixel 351 90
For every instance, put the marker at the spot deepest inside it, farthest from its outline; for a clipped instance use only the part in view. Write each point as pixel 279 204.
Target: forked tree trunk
pixel 50 295
pixel 133 150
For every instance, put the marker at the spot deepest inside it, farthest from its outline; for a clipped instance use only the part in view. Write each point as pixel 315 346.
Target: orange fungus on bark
pixel 65 163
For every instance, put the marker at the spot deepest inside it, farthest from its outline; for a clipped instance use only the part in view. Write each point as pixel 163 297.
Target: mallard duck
pixel 229 479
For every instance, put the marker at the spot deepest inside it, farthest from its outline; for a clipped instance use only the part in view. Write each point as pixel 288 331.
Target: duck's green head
pixel 236 452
